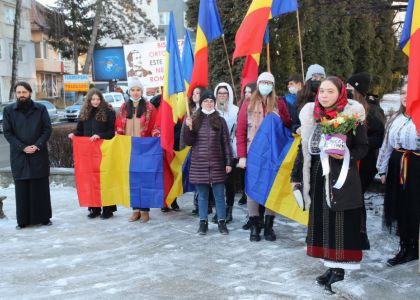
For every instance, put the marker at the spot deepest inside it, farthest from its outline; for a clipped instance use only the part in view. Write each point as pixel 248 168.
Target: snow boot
pixel 400 257
pixel 255 229
pixel 337 274
pixel 222 227
pixel 269 234
pixel 323 279
pixel 203 227
pixel 229 217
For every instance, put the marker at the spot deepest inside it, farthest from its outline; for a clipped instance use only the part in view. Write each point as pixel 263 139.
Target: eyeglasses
pixel 266 82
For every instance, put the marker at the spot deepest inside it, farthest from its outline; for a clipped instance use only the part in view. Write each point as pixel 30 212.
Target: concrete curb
pixel 64 176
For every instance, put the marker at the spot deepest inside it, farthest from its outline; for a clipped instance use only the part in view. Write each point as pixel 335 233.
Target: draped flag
pixel 209 28
pixel 270 161
pixel 125 170
pixel 255 21
pixel 410 44
pixel 173 87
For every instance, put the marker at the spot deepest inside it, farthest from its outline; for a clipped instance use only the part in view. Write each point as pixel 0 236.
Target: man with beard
pixel 27 128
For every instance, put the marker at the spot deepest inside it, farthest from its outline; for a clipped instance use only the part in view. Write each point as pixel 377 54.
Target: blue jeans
pixel 219 198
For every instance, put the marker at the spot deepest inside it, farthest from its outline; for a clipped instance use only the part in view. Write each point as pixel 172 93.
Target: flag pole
pixel 300 45
pixel 268 58
pixel 230 67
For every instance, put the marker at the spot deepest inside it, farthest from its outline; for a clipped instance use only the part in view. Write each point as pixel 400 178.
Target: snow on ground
pixel 78 258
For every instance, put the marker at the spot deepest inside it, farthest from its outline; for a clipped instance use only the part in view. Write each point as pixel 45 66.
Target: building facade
pixel 26 51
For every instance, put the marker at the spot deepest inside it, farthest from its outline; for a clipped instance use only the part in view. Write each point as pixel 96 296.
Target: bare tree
pixel 93 37
pixel 15 55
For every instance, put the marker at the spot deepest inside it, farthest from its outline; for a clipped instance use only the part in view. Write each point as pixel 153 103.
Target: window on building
pixel 49 85
pixel 20 52
pixel 41 50
pixel 164 18
pixel 9 15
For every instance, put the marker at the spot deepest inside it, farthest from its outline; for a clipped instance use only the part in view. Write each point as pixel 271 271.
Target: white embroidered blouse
pixel 401 134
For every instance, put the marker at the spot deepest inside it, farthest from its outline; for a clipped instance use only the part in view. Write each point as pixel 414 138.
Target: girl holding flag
pixel 399 167
pixel 97 121
pixel 137 117
pixel 251 115
pixel 335 202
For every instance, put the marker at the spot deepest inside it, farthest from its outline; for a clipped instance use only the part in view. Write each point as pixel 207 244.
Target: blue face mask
pixel 265 89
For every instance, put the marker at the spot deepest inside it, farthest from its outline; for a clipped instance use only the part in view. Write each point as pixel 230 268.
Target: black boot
pixel 175 206
pixel 214 219
pixel 269 234
pixel 400 257
pixel 242 201
pixel 323 279
pixel 222 227
pixel 337 274
pixel 229 217
pixel 255 229
pixel 412 251
pixel 203 228
pixel 94 212
pixel 247 225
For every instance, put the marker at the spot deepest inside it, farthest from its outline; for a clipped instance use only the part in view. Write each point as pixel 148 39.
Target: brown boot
pixel 144 217
pixel 134 216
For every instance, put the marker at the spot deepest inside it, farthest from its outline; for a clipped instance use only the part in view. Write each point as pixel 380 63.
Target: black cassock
pixel 26 125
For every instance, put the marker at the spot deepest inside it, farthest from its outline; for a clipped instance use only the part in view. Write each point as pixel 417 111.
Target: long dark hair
pixel 191 103
pixel 86 111
pixel 252 86
pixel 141 108
pixel 305 95
pixel 197 120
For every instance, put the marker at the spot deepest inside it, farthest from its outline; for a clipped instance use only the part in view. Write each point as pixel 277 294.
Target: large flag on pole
pixel 209 28
pixel 187 60
pixel 410 44
pixel 252 62
pixel 255 21
pixel 173 86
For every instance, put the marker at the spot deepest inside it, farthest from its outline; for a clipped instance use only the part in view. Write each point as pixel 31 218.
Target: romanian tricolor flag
pixel 125 170
pixel 252 62
pixel 255 22
pixel 173 86
pixel 269 164
pixel 410 44
pixel 209 28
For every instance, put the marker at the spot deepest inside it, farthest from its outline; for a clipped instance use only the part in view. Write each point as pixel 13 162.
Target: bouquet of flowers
pixel 335 132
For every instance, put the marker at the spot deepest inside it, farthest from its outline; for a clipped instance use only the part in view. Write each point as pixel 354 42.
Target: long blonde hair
pixel 271 104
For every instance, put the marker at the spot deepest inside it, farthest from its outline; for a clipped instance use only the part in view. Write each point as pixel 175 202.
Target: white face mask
pixel 265 89
pixel 293 90
pixel 208 112
pixel 135 100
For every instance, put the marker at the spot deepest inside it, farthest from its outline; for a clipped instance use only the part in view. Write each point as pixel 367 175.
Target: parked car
pixel 115 99
pixel 73 111
pixel 2 106
pixel 52 110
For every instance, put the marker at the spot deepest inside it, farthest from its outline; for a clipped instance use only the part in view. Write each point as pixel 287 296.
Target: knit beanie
pixel 314 69
pixel 265 76
pixel 134 82
pixel 207 95
pixel 360 82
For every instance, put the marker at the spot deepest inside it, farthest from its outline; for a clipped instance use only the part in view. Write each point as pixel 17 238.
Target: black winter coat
pixel 105 130
pixel 211 152
pixel 350 194
pixel 24 128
